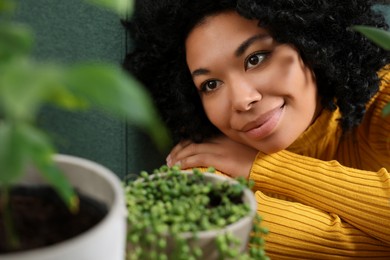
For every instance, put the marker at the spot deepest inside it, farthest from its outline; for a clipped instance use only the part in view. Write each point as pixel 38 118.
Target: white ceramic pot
pixel 106 240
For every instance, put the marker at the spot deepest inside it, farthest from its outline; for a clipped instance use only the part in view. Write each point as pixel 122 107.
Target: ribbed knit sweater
pixel 328 196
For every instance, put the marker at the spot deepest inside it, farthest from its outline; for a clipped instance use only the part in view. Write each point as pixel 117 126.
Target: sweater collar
pixel 321 139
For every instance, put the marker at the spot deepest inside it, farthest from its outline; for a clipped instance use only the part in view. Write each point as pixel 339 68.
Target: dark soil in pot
pixel 40 218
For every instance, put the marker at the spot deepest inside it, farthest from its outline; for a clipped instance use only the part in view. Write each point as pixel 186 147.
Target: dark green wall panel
pixel 73 30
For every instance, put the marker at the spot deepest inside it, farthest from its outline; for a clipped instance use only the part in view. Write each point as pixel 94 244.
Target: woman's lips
pixel 264 125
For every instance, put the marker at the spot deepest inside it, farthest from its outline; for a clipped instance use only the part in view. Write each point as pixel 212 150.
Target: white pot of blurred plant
pixel 96 231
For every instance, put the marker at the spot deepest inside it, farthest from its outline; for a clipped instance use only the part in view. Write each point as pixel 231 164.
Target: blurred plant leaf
pixel 22 88
pixel 378 36
pixel 63 98
pixel 22 144
pixel 386 110
pixel 114 91
pixel 6 6
pixel 39 150
pixel 26 85
pixel 121 7
pixel 12 153
pixel 15 39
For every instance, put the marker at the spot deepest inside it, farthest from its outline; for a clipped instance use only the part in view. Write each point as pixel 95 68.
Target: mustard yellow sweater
pixel 326 197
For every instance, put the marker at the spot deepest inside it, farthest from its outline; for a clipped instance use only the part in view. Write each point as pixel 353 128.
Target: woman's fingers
pixel 181 153
pixel 197 160
pixel 172 155
pixel 220 152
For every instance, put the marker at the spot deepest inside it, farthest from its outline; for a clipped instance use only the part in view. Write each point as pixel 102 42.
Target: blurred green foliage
pixel 27 85
pixel 378 36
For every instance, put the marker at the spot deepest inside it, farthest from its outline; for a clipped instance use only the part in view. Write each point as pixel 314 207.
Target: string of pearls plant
pixel 163 206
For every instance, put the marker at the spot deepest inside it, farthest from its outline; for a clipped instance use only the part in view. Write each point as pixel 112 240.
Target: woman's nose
pixel 244 95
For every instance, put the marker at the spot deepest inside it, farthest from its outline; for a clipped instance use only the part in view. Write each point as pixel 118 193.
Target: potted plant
pixel 33 175
pixel 174 214
pixel 45 227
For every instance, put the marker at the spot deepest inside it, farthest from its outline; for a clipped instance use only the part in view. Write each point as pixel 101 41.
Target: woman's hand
pixel 224 154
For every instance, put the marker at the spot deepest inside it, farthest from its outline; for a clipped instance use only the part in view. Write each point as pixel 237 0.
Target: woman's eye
pixel 209 85
pixel 255 60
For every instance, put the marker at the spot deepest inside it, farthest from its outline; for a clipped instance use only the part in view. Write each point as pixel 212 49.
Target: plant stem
pixel 10 232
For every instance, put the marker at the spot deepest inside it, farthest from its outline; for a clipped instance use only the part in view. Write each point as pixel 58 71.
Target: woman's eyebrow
pixel 245 45
pixel 199 72
pixel 239 51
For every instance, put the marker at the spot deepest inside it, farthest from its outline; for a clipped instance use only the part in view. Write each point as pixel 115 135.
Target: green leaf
pixel 12 153
pixel 22 89
pixel 40 151
pixel 121 7
pixel 7 6
pixel 26 85
pixel 378 36
pixel 107 87
pixel 63 98
pixel 22 144
pixel 386 110
pixel 113 90
pixel 15 39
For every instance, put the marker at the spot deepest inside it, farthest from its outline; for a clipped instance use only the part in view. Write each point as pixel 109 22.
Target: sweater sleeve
pixel 298 231
pixel 343 209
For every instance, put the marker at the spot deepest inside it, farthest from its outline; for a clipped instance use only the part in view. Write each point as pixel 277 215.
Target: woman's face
pixel 256 91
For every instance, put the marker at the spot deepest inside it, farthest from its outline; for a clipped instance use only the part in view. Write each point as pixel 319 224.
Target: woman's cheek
pixel 216 111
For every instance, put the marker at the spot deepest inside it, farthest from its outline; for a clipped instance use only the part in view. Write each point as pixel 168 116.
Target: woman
pixel 284 93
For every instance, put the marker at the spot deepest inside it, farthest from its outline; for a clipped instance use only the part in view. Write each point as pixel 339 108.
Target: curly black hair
pixel 344 62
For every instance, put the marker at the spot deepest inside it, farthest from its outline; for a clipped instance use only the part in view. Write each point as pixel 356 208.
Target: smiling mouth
pixel 264 125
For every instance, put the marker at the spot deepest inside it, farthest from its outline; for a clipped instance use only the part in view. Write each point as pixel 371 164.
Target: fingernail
pixel 169 160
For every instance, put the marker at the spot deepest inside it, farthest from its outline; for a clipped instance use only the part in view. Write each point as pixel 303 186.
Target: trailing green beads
pixel 171 201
